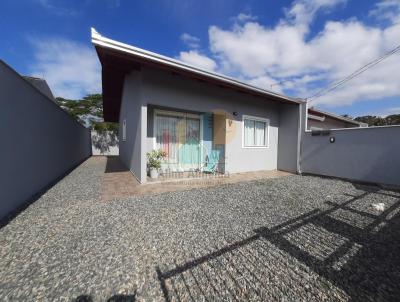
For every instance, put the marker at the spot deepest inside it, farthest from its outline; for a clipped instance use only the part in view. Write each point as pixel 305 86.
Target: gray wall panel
pixel 288 137
pixel 363 154
pixel 40 142
pixel 130 151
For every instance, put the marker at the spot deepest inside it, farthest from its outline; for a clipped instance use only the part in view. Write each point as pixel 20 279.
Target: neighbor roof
pixel 118 58
pixel 317 114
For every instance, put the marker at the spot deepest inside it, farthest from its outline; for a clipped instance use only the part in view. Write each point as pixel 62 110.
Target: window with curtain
pixel 255 132
pixel 179 137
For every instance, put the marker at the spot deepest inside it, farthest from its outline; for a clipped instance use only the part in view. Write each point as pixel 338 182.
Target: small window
pixel 255 132
pixel 124 130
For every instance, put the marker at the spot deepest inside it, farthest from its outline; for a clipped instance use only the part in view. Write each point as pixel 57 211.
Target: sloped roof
pixel 118 58
pixel 319 113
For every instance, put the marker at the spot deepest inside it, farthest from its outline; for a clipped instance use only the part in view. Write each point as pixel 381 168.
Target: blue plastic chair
pixel 213 161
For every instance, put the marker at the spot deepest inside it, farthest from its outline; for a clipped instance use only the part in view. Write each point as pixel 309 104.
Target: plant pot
pixel 153 173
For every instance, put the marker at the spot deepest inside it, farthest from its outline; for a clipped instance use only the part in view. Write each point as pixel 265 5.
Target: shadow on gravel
pixel 347 252
pixel 114 165
pixel 115 298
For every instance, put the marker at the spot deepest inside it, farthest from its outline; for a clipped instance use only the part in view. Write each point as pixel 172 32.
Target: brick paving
pixel 119 182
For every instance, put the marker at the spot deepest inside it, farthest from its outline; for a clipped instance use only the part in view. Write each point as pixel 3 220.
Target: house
pixel 321 120
pixel 201 119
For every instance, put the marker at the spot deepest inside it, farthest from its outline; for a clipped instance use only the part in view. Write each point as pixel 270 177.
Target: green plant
pixel 154 158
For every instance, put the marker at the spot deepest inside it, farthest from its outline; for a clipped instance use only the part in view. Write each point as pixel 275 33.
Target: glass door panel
pixel 179 137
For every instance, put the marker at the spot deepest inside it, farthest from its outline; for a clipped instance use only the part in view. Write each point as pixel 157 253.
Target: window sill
pixel 255 147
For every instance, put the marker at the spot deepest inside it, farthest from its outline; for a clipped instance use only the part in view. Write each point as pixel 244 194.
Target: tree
pixel 373 120
pixel 88 111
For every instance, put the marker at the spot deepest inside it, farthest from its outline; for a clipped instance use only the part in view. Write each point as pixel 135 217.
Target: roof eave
pixel 338 117
pixel 99 40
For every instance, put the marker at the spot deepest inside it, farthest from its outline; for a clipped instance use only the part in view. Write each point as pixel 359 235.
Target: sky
pixel 292 47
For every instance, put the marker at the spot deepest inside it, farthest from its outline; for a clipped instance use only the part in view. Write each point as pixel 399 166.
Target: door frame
pixel 184 115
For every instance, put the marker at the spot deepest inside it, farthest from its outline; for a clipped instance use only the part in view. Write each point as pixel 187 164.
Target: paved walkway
pixel 118 181
pixel 295 238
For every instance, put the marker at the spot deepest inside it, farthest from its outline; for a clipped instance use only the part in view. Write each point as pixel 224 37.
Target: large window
pixel 255 132
pixel 179 135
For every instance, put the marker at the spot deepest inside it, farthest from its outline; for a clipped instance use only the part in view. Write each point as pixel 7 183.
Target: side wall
pixel 167 90
pixel 363 154
pixel 289 123
pixel 132 150
pixel 40 142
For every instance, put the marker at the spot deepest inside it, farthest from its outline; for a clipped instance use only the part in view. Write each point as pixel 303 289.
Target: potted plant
pixel 154 161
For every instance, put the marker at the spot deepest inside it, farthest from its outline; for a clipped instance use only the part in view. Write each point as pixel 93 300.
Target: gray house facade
pixel 197 117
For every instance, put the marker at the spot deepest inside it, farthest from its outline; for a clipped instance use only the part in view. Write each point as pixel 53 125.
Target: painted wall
pixel 104 143
pixel 40 142
pixel 132 151
pixel 364 154
pixel 167 90
pixel 288 140
pixel 41 85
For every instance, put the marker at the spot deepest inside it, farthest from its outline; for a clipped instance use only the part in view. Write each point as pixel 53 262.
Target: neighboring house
pixel 321 120
pixel 202 120
pixel 41 85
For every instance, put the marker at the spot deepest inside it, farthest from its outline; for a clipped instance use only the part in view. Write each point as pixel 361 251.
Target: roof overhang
pixel 118 59
pixel 320 115
pixel 316 117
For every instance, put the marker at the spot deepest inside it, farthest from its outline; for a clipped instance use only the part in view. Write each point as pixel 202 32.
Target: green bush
pixel 154 158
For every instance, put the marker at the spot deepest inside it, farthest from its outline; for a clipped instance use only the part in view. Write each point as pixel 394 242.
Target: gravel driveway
pixel 289 239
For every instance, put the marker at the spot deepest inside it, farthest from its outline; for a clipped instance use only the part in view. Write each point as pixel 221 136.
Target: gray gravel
pixel 289 239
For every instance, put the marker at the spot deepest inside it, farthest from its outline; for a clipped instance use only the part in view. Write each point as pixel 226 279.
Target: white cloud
pixel 242 17
pixel 57 9
pixel 394 110
pixel 190 41
pixel 382 113
pixel 71 69
pixel 387 10
pixel 267 83
pixel 302 12
pixel 193 57
pixel 286 54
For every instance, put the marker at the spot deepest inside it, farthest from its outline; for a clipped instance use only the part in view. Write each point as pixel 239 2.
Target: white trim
pixel 312 128
pixel 259 119
pixel 316 117
pixel 359 128
pixel 99 40
pixel 176 113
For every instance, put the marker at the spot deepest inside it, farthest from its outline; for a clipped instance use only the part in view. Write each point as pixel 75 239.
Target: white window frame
pixel 180 114
pixel 256 119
